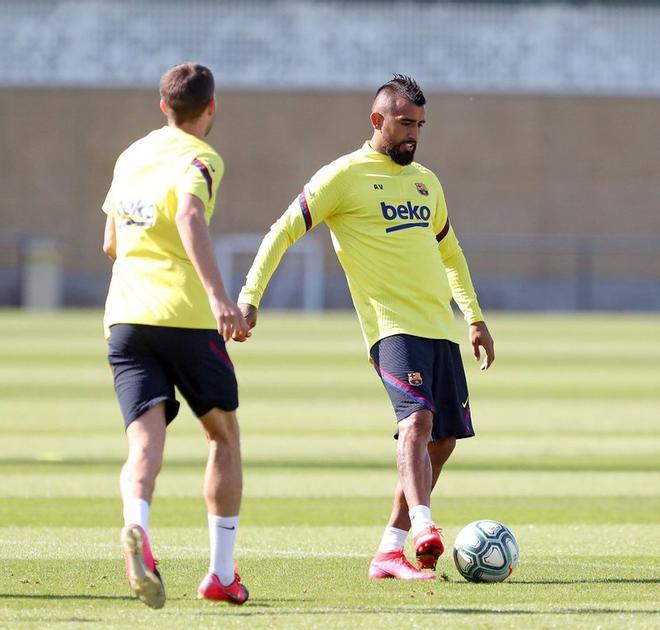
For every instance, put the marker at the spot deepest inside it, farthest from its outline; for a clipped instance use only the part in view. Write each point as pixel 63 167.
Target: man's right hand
pixel 250 314
pixel 230 321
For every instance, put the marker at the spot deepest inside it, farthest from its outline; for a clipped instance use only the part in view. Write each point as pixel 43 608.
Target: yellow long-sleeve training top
pixel 392 235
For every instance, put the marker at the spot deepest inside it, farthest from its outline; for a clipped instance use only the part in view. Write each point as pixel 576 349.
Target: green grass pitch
pixel 567 455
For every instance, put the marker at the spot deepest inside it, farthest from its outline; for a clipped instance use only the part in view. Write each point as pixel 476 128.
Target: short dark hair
pixel 187 89
pixel 405 86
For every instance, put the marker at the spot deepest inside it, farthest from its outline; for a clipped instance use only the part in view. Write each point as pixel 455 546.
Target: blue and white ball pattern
pixel 486 551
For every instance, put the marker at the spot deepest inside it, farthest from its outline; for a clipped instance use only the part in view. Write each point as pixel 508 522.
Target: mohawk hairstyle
pixel 403 85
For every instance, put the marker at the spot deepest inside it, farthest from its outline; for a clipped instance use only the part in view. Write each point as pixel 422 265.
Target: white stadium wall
pixel 549 47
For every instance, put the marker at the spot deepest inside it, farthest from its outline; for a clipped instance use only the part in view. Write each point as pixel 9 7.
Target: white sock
pixel 420 517
pixel 222 535
pixel 393 539
pixel 136 512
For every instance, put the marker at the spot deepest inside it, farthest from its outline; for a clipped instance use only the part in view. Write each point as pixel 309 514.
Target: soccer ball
pixel 485 551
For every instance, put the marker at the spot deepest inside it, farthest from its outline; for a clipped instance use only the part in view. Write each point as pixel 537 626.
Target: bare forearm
pixel 197 242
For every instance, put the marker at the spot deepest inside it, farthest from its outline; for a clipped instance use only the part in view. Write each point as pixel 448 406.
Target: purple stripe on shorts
pixel 405 388
pixel 467 421
pixel 221 354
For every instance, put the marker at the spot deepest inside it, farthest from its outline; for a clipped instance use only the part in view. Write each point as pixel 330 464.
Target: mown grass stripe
pixel 592 464
pixel 344 511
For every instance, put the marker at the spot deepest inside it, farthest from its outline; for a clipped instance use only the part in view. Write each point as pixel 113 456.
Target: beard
pixel 399 155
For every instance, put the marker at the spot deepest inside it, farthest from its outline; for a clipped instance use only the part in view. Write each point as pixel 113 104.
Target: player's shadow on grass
pixel 261 607
pixel 253 611
pixel 591 581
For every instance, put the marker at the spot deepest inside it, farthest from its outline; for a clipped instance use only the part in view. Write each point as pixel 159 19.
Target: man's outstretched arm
pixel 282 235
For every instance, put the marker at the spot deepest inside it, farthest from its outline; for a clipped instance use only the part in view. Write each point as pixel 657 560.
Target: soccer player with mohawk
pixel 403 263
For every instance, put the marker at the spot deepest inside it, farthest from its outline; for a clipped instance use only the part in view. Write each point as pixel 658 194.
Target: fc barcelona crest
pixel 422 189
pixel 415 379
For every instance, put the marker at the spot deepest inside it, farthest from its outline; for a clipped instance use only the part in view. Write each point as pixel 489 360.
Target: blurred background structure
pixel 543 122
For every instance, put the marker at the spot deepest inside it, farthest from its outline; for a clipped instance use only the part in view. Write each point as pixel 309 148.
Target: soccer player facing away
pixel 167 319
pixel 390 229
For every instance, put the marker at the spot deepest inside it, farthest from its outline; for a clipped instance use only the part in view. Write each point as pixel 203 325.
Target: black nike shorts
pixel 148 362
pixel 421 373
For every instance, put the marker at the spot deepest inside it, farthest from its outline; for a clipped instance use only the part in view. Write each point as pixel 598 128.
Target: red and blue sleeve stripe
pixel 205 174
pixel 304 207
pixel 443 232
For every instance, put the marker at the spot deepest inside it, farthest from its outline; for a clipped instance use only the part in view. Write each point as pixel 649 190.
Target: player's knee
pixel 416 426
pixel 222 428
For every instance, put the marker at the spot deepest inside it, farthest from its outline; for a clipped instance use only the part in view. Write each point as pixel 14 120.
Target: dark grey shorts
pixel 421 373
pixel 148 362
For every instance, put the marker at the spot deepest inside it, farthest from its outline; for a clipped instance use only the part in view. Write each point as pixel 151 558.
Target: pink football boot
pixel 394 564
pixel 141 568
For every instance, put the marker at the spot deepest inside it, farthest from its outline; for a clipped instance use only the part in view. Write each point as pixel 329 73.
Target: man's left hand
pixel 480 338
